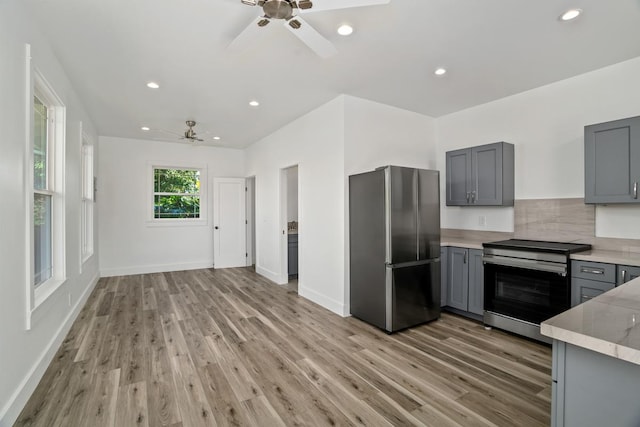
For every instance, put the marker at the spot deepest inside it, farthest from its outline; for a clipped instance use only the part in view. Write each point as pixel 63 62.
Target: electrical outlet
pixel 482 221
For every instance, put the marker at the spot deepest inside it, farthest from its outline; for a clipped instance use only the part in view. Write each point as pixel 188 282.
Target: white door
pixel 229 244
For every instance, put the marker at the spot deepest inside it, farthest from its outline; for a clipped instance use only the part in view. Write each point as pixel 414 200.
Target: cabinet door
pixel 612 161
pixel 458 177
pixel 486 175
pixel 458 290
pixel 627 273
pixel 583 290
pixel 476 282
pixel 444 269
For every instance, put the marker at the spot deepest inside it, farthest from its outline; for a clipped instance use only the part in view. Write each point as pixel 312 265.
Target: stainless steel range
pixel 526 282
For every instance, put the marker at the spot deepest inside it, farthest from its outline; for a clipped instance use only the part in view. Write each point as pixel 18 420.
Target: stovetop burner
pixel 539 246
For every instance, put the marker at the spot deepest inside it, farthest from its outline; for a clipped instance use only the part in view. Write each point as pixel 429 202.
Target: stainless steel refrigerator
pixel 394 246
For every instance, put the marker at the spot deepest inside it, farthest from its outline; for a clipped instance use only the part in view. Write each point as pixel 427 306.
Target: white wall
pixel 546 125
pixel 130 244
pixel 315 143
pixel 292 194
pixel 379 135
pixel 24 355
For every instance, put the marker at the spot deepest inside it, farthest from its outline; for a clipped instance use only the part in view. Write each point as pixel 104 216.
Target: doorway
pixel 229 230
pixel 250 221
pixel 290 225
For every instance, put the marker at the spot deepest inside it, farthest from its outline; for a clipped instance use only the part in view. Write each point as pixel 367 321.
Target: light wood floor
pixel 227 347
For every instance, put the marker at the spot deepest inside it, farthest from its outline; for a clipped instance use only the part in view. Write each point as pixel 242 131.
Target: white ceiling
pixel 492 49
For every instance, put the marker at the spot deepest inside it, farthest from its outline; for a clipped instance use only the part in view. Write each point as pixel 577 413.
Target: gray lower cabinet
pixel 480 176
pixel 612 161
pixel 593 389
pixel 444 256
pixel 590 279
pixel 465 280
pixel 626 273
pixel 476 282
pixel 292 252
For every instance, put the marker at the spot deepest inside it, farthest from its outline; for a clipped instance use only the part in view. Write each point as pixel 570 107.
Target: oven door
pixel 525 294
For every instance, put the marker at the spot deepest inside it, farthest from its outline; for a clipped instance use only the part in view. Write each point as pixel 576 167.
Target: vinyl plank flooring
pixel 228 347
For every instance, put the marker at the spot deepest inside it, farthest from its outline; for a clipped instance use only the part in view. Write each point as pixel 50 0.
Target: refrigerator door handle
pixel 416 201
pixel 413 263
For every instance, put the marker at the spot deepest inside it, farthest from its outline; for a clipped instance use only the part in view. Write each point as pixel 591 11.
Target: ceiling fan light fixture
pixel 570 14
pixel 295 24
pixel 345 30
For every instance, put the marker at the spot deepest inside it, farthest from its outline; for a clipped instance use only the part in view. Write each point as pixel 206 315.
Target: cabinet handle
pixel 473 197
pixel 586 297
pixel 591 270
pixel 467 197
pixel 635 190
pixel 464 261
pixel 624 276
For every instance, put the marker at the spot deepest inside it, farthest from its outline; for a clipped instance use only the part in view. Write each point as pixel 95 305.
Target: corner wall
pixel 546 125
pixel 314 142
pixel 25 354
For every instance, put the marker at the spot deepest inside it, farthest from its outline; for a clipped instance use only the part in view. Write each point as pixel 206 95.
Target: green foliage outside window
pixel 176 193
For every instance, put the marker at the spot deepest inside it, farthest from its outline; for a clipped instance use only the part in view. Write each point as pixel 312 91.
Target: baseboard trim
pixel 330 304
pixel 19 399
pixel 158 268
pixel 274 277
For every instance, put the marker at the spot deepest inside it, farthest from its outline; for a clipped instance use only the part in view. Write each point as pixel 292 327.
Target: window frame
pixel 38 86
pixel 87 198
pixel 173 222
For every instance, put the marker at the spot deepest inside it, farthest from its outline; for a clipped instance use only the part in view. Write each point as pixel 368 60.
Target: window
pixel 42 192
pixel 176 193
pixel 86 232
pixel 46 148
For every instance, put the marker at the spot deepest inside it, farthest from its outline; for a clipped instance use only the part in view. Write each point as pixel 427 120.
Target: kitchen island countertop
pixel 608 324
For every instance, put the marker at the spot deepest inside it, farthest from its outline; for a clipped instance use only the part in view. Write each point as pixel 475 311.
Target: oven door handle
pixel 529 264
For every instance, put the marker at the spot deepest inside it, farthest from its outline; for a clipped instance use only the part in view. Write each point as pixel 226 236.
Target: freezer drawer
pixel 413 294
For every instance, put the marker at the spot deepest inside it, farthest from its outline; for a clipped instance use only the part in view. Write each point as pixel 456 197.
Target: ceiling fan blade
pixel 309 36
pixel 321 5
pixel 248 35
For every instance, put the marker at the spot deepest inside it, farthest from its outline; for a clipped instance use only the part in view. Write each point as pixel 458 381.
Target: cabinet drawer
pixel 594 271
pixel 627 273
pixel 583 290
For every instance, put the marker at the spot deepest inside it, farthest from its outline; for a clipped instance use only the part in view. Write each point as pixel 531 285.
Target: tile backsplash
pixel 559 220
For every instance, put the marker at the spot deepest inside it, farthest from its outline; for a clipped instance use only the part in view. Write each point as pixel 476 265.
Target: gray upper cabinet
pixel 481 176
pixel 612 161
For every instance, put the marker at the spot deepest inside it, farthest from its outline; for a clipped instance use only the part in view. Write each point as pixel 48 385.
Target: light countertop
pixel 611 257
pixel 608 324
pixel 462 243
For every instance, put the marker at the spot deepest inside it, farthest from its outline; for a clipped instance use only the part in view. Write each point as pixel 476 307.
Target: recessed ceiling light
pixel 254 103
pixel 145 128
pixel 217 138
pixel 440 71
pixel 153 85
pixel 570 14
pixel 345 30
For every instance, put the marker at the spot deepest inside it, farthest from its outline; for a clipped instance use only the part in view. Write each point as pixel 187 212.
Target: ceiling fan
pixel 190 134
pixel 287 11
